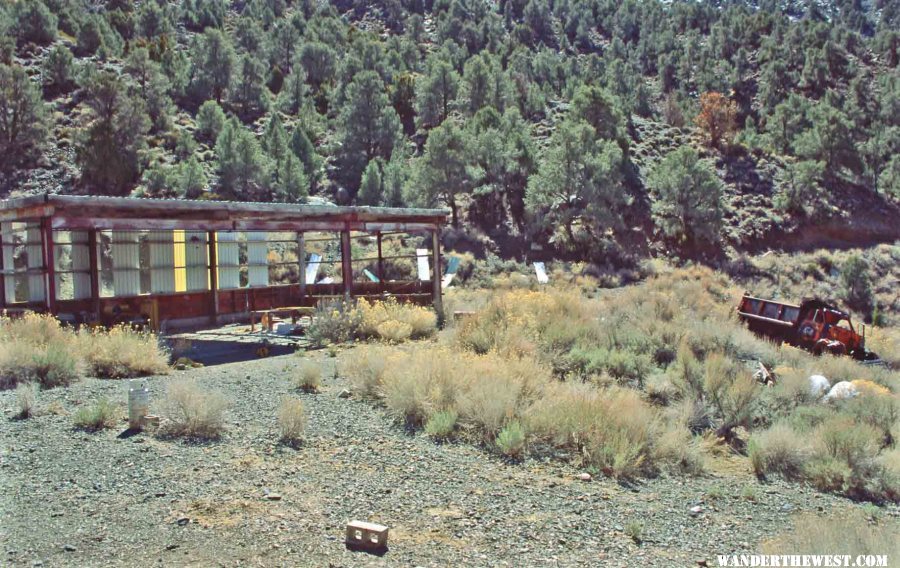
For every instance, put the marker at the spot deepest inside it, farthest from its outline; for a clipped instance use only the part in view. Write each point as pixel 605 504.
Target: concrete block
pixel 366 536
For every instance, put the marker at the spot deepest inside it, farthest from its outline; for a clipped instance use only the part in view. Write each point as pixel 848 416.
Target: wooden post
pixel 301 258
pixel 2 274
pixel 380 264
pixel 213 276
pixel 94 267
pixel 49 263
pixel 346 263
pixel 436 272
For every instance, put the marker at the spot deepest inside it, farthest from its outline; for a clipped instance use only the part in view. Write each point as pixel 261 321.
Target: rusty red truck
pixel 814 325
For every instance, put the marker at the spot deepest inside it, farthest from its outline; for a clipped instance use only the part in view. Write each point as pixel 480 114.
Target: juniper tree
pixel 435 93
pixel 688 206
pixel 23 117
pixel 243 168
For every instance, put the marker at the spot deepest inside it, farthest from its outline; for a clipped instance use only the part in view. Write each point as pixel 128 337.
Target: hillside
pixel 583 126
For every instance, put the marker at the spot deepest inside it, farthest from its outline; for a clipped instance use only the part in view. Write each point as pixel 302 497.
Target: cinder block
pixel 366 536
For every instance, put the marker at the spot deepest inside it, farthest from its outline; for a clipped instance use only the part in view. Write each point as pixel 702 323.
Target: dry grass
pixel 26 400
pixel 307 375
pixel 121 353
pixel 98 416
pixel 388 321
pixel 846 532
pixel 291 420
pixel 37 348
pixel 193 412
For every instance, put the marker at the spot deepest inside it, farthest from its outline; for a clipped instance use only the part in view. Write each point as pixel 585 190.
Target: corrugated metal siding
pixel 162 261
pixel 126 259
pixel 228 258
pixel 258 258
pixel 196 255
pixel 34 249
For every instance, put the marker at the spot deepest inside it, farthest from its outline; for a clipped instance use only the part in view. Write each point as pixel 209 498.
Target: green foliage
pixel 213 65
pixel 23 117
pixel 58 70
pixel 243 167
pixel 436 93
pixel 109 152
pixel 34 22
pixel 248 94
pixel 441 173
pixel 369 127
pixel 511 439
pixel 191 180
pixel 857 284
pixel 98 416
pixel 688 208
pixel 210 121
pixel 579 180
pixel 441 425
pixel 800 187
pixel 371 189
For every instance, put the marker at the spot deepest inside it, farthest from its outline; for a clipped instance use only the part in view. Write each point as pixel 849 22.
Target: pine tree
pixel 210 121
pixel 371 188
pixel 58 70
pixel 34 22
pixel 213 65
pixel 799 187
pixel 23 117
pixel 291 184
pixel 717 118
pixel 597 107
pixel 368 127
pixel 243 168
pixel 294 91
pixel 191 180
pixel 830 140
pixel 688 206
pixel 435 93
pixel 441 174
pixel 306 152
pixel 248 94
pixel 110 149
pixel 579 180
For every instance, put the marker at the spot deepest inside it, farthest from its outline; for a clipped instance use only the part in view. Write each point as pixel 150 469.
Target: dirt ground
pixel 71 498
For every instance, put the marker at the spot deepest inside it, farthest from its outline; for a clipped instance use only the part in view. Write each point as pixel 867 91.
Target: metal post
pixel 346 263
pixel 301 258
pixel 49 263
pixel 436 272
pixel 213 276
pixel 94 267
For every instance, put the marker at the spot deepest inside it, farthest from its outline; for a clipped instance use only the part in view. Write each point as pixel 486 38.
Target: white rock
pixel 696 510
pixel 818 385
pixel 841 391
pixel 585 476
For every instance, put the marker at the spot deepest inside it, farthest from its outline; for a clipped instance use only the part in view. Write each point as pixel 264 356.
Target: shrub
pixel 291 420
pixel 778 450
pixel 366 367
pixel 844 439
pixel 335 322
pixel 36 348
pixel 122 352
pixel 194 412
pixel 440 425
pixel 511 439
pixel 102 414
pixel 307 376
pixel 635 531
pixel 210 121
pixel 395 322
pixel 25 400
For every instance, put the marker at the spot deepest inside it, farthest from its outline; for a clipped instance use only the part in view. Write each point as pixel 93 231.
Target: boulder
pixel 841 391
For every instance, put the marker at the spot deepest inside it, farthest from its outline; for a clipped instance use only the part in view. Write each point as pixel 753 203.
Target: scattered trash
pixel 541 272
pixel 452 267
pixel 818 385
pixel 138 403
pixel 696 510
pixel 422 265
pixel 366 536
pixel 841 391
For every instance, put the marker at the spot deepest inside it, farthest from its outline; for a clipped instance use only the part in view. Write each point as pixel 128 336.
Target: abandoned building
pixel 181 263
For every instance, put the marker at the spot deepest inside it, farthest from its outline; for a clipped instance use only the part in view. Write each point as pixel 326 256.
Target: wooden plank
pixel 301 259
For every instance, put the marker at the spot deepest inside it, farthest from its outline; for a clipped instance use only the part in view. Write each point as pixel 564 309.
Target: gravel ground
pixel 70 498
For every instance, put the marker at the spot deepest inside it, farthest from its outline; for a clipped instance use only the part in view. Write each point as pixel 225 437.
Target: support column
pixel 49 263
pixel 380 264
pixel 36 263
pixel 301 261
pixel 346 263
pixel 213 276
pixel 94 268
pixel 2 270
pixel 436 272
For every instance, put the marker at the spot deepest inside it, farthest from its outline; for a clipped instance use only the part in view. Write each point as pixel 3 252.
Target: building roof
pixel 100 212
